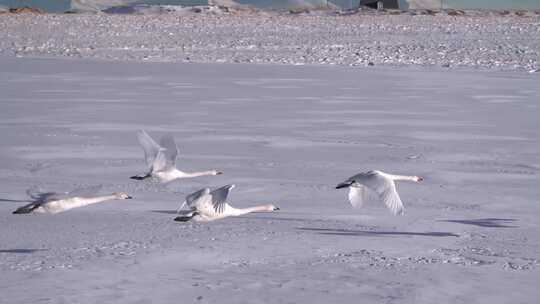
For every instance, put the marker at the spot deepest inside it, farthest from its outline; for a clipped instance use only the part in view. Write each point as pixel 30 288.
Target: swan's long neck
pixel 70 203
pixel 402 177
pixel 181 174
pixel 241 211
pixel 84 201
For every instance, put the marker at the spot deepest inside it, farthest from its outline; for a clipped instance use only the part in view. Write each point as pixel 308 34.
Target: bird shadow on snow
pixel 485 222
pixel 348 232
pixel 14 200
pixel 20 250
pixel 165 211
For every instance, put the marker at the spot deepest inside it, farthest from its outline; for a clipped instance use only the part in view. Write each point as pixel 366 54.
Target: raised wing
pixel 170 150
pixel 193 197
pixel 150 147
pixel 385 188
pixel 219 197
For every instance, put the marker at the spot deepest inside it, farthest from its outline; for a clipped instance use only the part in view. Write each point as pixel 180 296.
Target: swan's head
pixel 418 179
pixel 217 172
pixel 122 195
pixel 271 207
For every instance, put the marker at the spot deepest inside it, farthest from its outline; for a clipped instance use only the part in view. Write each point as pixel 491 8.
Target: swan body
pixel 379 185
pixel 205 205
pixel 161 160
pixel 52 203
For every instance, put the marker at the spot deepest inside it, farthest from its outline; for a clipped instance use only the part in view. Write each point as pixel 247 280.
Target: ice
pixel 471 233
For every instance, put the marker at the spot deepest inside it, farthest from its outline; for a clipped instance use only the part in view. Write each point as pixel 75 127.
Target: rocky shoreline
pixel 449 39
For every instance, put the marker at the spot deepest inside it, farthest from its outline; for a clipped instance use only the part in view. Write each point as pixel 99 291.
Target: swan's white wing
pixel 193 197
pixel 384 187
pixel 40 197
pixel 219 197
pixel 150 147
pixel 166 155
pixel 171 150
pixel 359 195
pixel 160 162
pixel 391 198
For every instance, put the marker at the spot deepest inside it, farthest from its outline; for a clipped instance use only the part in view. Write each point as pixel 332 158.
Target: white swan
pixel 363 186
pixel 51 203
pixel 205 205
pixel 161 159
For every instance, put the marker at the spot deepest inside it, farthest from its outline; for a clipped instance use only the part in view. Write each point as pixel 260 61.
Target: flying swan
pixel 51 202
pixel 205 205
pixel 366 185
pixel 161 159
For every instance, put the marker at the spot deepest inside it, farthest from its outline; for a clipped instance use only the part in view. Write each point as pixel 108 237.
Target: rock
pixel 26 10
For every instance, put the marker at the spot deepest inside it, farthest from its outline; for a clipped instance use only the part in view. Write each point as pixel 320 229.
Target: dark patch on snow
pixel 485 222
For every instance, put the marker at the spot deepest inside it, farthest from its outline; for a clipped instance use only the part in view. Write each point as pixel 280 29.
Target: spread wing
pixel 219 197
pixel 359 195
pixel 193 197
pixel 150 147
pixel 385 188
pixel 169 150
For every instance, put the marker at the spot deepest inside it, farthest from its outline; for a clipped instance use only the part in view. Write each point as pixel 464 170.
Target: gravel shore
pixel 488 41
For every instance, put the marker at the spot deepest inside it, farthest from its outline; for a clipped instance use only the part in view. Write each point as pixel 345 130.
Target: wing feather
pixel 171 149
pixel 193 197
pixel 384 187
pixel 359 195
pixel 150 148
pixel 219 197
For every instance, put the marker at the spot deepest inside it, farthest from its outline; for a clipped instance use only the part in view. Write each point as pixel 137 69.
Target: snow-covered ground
pixel 285 135
pixel 480 40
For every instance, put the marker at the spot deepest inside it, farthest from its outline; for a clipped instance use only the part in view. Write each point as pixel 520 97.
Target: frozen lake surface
pixel 284 135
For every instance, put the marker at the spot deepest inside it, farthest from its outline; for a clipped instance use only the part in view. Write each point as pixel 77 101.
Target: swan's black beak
pixel 129 197
pixel 219 173
pixel 276 208
pixel 344 185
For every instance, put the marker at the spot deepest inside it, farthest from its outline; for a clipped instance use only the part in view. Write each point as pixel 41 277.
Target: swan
pixel 51 202
pixel 205 205
pixel 382 185
pixel 161 159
